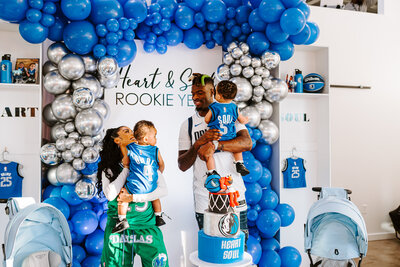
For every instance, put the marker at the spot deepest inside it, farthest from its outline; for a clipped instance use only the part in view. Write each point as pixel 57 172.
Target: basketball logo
pixel 160 260
pixel 229 224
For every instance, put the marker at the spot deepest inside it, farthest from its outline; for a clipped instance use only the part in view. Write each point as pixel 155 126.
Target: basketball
pixel 313 83
pixel 212 183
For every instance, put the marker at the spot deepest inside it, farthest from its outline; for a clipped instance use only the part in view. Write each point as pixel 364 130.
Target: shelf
pixel 306 95
pixel 18 85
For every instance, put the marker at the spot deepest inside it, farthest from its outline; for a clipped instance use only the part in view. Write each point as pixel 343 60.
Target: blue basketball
pixel 212 183
pixel 313 83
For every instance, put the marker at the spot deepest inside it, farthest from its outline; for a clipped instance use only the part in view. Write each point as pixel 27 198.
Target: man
pixel 196 142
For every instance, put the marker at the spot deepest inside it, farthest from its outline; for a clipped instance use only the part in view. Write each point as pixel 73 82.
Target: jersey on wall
pixel 10 181
pixel 294 173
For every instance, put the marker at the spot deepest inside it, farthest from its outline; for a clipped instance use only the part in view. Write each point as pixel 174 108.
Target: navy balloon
pixel 291 3
pixel 255 3
pixel 290 257
pixel 258 43
pixel 76 9
pixel 269 200
pixel 195 4
pixel 255 21
pixel 305 8
pixel 302 37
pixel 78 253
pixel 270 243
pixel 193 38
pixel 271 10
pixel 94 242
pixel 136 9
pixel 314 32
pixel 184 17
pixel 174 35
pixel 126 53
pixel 292 21
pixel 13 10
pixel 285 49
pixel 287 214
pixel 80 37
pixel 253 193
pixel 254 249
pixel 268 222
pixel 34 33
pixel 103 10
pixel 214 10
pixel 262 152
pixel 60 204
pixel 269 258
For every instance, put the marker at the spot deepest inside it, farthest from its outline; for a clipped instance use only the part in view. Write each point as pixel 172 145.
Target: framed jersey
pixel 10 181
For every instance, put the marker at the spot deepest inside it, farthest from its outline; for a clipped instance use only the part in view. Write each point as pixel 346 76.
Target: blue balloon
pixel 302 37
pixel 262 152
pixel 269 258
pixel 56 31
pixel 275 33
pixel 33 15
pixel 251 224
pixel 253 231
pixel 165 25
pixel 174 35
pixel 77 238
pixel 184 17
pixel 285 49
pixel 132 24
pixel 112 50
pixel 112 25
pixel 60 204
pixel 169 4
pixel 94 242
pixel 246 28
pixel 236 31
pixel 305 8
pixel 161 49
pixel 314 33
pixel 76 9
pixel 290 3
pixel 129 35
pixel 214 10
pixel 195 4
pixel 126 53
pixel 91 261
pixel 265 179
pixel 52 191
pixel 142 31
pixel 47 20
pixel 254 249
pixel 154 7
pixel 34 33
pixel 69 195
pixel 257 207
pixel 256 134
pixel 269 200
pixel 268 222
pixel 271 10
pixel 112 38
pixel 270 243
pixel 252 215
pixel 199 20
pixel 103 10
pixel 255 3
pixel 123 23
pixel 37 4
pixel 255 168
pixel 218 36
pixel 232 3
pixel 230 12
pixel 161 41
pixel 13 10
pixel 242 14
pixel 292 21
pixel 85 222
pixel 193 38
pixel 70 226
pixel 49 8
pixel 99 51
pixel 136 9
pixel 253 193
pixel 166 13
pixel 258 43
pixel 103 221
pixel 85 205
pixel 99 210
pixel 78 253
pixel 287 214
pixel 290 257
pixel 80 37
pixel 101 30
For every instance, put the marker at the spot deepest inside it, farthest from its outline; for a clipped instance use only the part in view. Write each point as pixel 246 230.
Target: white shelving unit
pixel 20 134
pixel 303 121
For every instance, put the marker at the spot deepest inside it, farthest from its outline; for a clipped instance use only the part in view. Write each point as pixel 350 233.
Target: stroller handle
pixel 318 189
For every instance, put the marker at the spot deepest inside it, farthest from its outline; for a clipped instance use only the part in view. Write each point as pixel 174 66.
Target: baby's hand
pixel 245 120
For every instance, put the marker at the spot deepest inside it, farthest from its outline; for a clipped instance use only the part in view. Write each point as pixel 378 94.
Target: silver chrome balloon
pixel 265 109
pixel 69 127
pixel 266 83
pixel 52 176
pixel 99 137
pixel 255 62
pixel 102 107
pixel 90 82
pixel 245 47
pixel 109 82
pixel 66 174
pixel 277 92
pixel 231 46
pixel 252 114
pixel 266 73
pixel 67 156
pixel 85 189
pixel 48 66
pixel 90 63
pixel 269 130
pixel 256 80
pixel 69 141
pixel 258 91
pixel 87 141
pixel 270 59
pixel 235 69
pixel 77 149
pixel 98 146
pixel 248 72
pixel 107 66
pixel 58 131
pixel 74 135
pixel 244 89
pixel 245 61
pixel 90 155
pixel 49 154
pixel 241 105
pixel 259 70
pixel 89 122
pixel 60 144
pixel 56 52
pixel 48 115
pixel 71 67
pixel 78 164
pixel 227 59
pixel 236 52
pixel 63 108
pixel 256 99
pixel 83 98
pixel 223 72
pixel 55 83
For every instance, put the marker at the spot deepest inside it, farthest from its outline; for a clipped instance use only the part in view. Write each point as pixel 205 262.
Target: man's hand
pixel 124 196
pixel 209 136
pixel 206 151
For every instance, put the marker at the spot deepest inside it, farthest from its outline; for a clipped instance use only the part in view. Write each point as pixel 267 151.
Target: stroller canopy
pixel 335 228
pixel 38 227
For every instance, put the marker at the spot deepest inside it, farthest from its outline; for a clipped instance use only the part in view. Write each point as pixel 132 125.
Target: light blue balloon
pixel 292 21
pixel 184 17
pixel 13 10
pixel 34 33
pixel 76 9
pixel 214 10
pixel 271 10
pixel 126 53
pixel 275 33
pixel 103 10
pixel 193 38
pixel 80 37
pixel 285 49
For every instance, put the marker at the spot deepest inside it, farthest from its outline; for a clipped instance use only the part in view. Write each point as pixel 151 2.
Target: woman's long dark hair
pixel 110 158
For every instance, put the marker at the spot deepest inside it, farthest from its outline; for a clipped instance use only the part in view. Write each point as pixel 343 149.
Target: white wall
pixel 364 50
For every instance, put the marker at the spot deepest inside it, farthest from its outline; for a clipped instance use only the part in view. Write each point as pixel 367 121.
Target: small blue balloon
pixel 253 193
pixel 236 31
pixel 91 261
pixel 13 10
pixel 165 25
pixel 268 222
pixel 103 10
pixel 156 29
pixel 214 11
pixel 161 49
pixel 218 36
pixel 133 24
pixel 258 43
pixel 285 49
pixel 56 31
pixel 161 41
pixel 155 7
pixel 33 15
pixel 233 3
pixel 166 13
pixel 34 33
pixel 314 33
pixel 151 38
pixel 85 205
pixel 112 25
pixel 230 12
pixel 262 152
pixel 77 238
pixel 76 263
pixel 123 23
pixel 242 14
pixel 52 191
pixel 252 214
pixel 287 214
pixel 230 23
pixel 290 257
pixel 270 243
pixel 101 30
pixel 69 195
pixel 246 28
pixel 195 4
pixel 112 38
pixel 174 36
pixel 256 134
pixel 255 168
pixel 136 9
pixel 99 51
pixel 184 17
pixel 269 258
pixel 78 253
pixel 142 31
pixel 60 204
pixel 85 222
pixel 193 38
pixel 37 4
pixel 126 53
pixel 103 221
pixel 265 179
pixel 47 20
pixel 129 35
pixel 120 34
pixel 275 33
pixel 199 20
pixel 254 249
pixel 271 10
pixel 305 8
pixel 207 35
pixel 76 9
pixel 94 242
pixel 242 38
pixel 80 37
pixel 112 50
pixel 255 3
pixel 292 21
pixel 210 44
pixel 49 8
pixel 269 200
pixel 156 18
pixel 149 48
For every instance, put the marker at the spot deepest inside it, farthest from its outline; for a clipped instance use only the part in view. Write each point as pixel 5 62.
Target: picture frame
pixel 26 71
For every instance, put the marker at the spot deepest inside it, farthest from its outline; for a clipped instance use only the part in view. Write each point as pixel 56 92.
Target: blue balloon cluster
pixel 265 215
pixel 86 220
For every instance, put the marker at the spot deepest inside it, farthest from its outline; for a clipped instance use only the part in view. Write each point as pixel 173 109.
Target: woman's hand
pixel 124 196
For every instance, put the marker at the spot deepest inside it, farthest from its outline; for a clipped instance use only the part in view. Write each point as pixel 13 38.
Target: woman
pixel 143 237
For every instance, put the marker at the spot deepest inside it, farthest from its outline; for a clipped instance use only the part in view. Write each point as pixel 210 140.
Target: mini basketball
pixel 313 83
pixel 212 183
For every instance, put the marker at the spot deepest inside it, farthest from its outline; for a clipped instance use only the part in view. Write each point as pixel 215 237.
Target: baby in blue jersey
pixel 222 115
pixel 144 162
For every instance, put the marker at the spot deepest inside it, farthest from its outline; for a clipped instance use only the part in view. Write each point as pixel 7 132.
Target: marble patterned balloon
pixel 63 108
pixel 66 174
pixel 85 189
pixel 252 114
pixel 78 164
pixel 71 67
pixel 49 154
pixel 56 52
pixel 55 83
pixel 89 122
pixel 244 89
pixel 107 66
pixel 83 98
pixel 270 60
pixel 90 82
pixel 277 92
pixel 269 130
pixel 265 109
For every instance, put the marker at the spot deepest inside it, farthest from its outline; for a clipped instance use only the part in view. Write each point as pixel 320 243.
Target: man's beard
pixel 203 109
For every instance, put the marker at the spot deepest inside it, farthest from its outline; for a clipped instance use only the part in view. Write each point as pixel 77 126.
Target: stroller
pixel 37 235
pixel 335 231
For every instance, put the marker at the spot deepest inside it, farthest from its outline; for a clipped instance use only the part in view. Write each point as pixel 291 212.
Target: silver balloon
pixel 67 156
pixel 265 109
pixel 107 66
pixel 49 154
pixel 109 82
pixel 259 70
pixel 83 98
pixel 63 108
pixel 258 91
pixel 58 131
pixel 56 52
pixel 248 72
pixel 266 73
pixel 269 130
pixel 90 82
pixel 48 115
pixel 227 59
pixel 235 69
pixel 87 141
pixel 71 67
pixel 102 107
pixel 266 83
pixel 270 59
pixel 277 92
pixel 98 146
pixel 90 155
pixel 77 149
pixel 55 83
pixel 231 46
pixel 99 137
pixel 252 114
pixel 69 127
pixel 241 105
pixel 89 122
pixel 85 189
pixel 255 62
pixel 245 47
pixel 237 61
pixel 66 174
pixel 74 135
pixel 244 89
pixel 48 66
pixel 90 63
pixel 223 72
pixel 69 142
pixel 236 52
pixel 256 99
pixel 256 80
pixel 60 144
pixel 52 176
pixel 78 164
pixel 245 61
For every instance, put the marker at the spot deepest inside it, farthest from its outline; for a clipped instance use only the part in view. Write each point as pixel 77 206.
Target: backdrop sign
pixel 156 88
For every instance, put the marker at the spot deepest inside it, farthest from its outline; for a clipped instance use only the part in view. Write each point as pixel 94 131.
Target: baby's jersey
pixel 223 118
